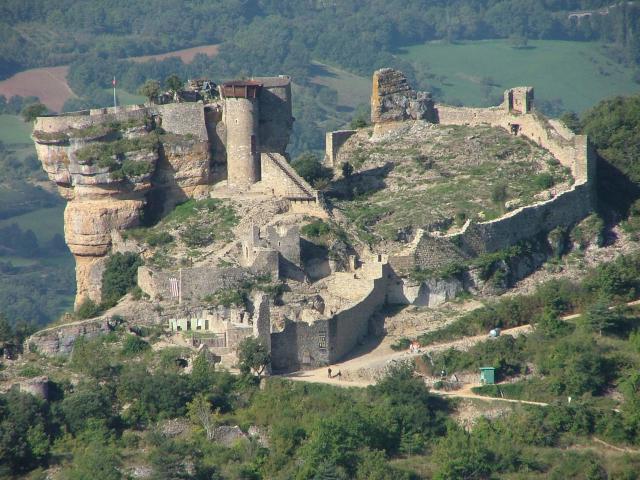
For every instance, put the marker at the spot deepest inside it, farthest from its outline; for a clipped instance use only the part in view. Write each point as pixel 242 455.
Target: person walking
pixel 329 371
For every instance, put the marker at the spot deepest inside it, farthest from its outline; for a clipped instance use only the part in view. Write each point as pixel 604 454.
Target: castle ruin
pixel 234 147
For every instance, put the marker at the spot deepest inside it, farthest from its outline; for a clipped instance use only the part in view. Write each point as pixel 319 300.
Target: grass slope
pixel 579 73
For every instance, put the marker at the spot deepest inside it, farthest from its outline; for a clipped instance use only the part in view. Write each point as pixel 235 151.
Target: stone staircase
pixel 284 166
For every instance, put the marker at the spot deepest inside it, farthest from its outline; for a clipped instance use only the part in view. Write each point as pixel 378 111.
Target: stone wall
pixel 350 326
pixel 433 252
pixel 197 282
pixel 275 117
pixel 430 293
pixel 183 119
pixel 86 118
pixel 60 340
pixel 570 150
pixel 393 100
pixel 281 180
pixel 333 142
pixel 300 345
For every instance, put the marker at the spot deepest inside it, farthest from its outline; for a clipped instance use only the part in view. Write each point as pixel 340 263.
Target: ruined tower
pixel 241 116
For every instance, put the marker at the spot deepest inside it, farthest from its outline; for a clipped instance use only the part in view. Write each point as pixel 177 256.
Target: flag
pixel 174 286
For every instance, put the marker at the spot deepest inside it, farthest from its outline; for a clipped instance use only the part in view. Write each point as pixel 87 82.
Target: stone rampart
pixel 433 252
pixel 299 345
pixel 79 120
pixel 350 326
pixel 572 151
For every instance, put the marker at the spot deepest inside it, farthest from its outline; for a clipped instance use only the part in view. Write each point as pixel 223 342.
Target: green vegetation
pixel 617 281
pixel 434 181
pixel 253 356
pixel 14 130
pixel 113 156
pixel 239 295
pixel 309 167
pixel 33 111
pixel 477 72
pixel 120 277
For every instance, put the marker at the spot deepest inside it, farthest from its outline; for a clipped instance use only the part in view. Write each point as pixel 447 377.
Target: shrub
pixel 88 309
pixel 499 193
pixel 119 277
pixel 309 167
pixel 134 345
pixel 401 344
pixel 315 229
pixel 544 181
pixel 30 371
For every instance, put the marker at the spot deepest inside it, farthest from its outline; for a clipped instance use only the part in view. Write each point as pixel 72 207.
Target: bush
pixel 401 344
pixel 315 229
pixel 134 345
pixel 544 181
pixel 499 193
pixel 119 277
pixel 88 309
pixel 309 167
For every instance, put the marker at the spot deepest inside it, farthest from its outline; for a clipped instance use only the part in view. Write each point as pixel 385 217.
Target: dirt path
pixel 369 361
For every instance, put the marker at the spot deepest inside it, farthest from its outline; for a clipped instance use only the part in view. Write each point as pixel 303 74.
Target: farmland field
pixel 14 131
pixel 186 55
pixel 353 90
pixel 45 222
pixel 476 73
pixel 49 84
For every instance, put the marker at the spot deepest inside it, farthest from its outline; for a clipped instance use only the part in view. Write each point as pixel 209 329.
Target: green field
pixel 353 90
pixel 474 73
pixel 14 130
pixel 45 222
pixel 126 98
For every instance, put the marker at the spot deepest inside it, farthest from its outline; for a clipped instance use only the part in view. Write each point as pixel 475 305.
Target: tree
pixel 151 90
pixel 310 168
pixel 253 356
pixel 95 461
pixel 598 318
pixel 6 332
pixel 571 121
pixel 174 83
pixel 33 111
pixel 199 411
pixel 347 170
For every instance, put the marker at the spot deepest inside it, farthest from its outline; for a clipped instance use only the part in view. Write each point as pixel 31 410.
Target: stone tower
pixel 241 114
pixel 519 100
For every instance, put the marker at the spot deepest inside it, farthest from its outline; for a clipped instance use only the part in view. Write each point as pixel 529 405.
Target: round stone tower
pixel 241 118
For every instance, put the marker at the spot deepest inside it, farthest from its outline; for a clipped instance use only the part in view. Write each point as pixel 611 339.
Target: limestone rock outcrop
pixel 394 100
pixel 104 165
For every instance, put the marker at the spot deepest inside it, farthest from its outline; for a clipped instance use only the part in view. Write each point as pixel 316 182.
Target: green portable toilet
pixel 487 375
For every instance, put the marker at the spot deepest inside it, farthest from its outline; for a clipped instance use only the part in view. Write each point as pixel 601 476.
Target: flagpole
pixel 115 103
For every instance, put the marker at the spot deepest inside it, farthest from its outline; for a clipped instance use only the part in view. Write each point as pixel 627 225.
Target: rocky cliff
pixel 105 164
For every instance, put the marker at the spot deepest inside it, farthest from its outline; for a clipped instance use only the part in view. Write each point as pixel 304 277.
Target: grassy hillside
pixel 578 73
